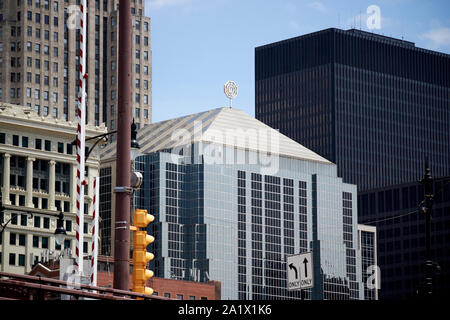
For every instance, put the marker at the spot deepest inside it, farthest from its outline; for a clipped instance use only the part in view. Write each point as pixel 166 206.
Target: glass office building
pixel 232 197
pixel 367 236
pixel 374 105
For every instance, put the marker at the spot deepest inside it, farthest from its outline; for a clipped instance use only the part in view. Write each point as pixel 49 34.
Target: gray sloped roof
pixel 226 126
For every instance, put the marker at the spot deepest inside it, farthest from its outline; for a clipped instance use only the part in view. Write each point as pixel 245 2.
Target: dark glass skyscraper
pixel 401 238
pixel 374 105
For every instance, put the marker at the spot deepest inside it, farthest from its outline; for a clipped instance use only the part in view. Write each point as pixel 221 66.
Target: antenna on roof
pixel 360 19
pixel 231 91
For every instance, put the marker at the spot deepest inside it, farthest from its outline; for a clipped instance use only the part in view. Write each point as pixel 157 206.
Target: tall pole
pixel 122 219
pixel 81 136
pixel 427 181
pixel 95 213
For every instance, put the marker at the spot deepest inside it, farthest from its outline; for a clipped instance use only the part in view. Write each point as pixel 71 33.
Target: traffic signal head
pixel 140 255
pixel 142 239
pixel 142 218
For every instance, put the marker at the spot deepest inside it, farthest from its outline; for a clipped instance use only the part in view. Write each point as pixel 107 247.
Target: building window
pixel 15 140
pixel 67 244
pixel 38 144
pixel 21 240
pixel 23 219
pixel 60 147
pixel 35 242
pixel 37 222
pixel 48 145
pixel 69 148
pixel 44 242
pixel 21 260
pixel 68 225
pixel 12 259
pixel 12 239
pixel 14 219
pixel 46 223
pixel 44 200
pixel 25 142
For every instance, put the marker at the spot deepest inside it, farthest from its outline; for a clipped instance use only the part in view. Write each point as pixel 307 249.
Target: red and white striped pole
pixel 81 135
pixel 95 213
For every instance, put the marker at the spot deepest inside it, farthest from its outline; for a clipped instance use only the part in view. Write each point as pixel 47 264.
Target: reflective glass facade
pixel 105 210
pixel 374 105
pixel 236 224
pixel 368 247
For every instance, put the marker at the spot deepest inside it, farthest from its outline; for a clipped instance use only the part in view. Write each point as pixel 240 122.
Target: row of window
pixel 45 4
pixel 61 147
pixel 36 224
pixel 20 262
pixel 178 296
pixel 16 62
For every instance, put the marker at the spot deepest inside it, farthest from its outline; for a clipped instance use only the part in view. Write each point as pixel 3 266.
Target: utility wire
pixel 394 217
pixel 409 213
pixel 390 218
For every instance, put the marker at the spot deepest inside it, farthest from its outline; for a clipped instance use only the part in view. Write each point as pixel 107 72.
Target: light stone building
pixel 39 59
pixel 38 180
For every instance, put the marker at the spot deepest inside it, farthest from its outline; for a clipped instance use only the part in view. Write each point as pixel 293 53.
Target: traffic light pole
pixel 427 181
pixel 430 267
pixel 122 216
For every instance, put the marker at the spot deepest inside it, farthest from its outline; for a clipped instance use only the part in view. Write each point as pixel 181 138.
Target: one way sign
pixel 299 271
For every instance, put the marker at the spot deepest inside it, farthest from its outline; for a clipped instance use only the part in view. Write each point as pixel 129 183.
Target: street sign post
pixel 299 271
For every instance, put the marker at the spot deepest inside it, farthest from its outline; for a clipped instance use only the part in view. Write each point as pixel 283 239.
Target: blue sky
pixel 198 45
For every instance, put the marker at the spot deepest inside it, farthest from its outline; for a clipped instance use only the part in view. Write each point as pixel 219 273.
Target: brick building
pixel 169 288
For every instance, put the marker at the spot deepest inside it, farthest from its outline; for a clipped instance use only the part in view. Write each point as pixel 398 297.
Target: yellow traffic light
pixel 140 255
pixel 142 218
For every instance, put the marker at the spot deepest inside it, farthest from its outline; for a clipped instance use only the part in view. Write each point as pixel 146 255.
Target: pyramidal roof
pixel 225 126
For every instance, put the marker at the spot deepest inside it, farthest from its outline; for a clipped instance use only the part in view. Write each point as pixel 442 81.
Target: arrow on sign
pixel 305 262
pixel 291 266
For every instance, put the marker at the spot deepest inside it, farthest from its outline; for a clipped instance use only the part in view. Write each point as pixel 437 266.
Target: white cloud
pixel 319 6
pixel 156 4
pixel 439 37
